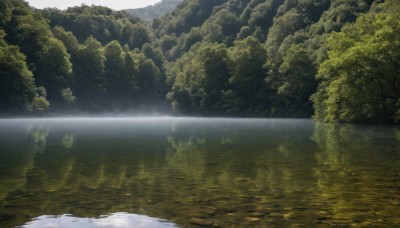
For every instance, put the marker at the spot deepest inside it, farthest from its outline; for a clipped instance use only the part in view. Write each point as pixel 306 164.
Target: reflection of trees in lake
pixel 243 152
pixel 19 145
pixel 219 170
pixel 68 140
pixel 13 174
pixel 247 169
pixel 355 163
pixel 39 136
pixel 67 170
pixel 52 162
pixel 18 155
pixel 188 166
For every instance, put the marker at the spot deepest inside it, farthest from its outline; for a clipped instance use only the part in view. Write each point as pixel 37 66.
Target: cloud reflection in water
pixel 116 220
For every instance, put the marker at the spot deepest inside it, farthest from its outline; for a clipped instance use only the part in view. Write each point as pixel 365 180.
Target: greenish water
pixel 167 172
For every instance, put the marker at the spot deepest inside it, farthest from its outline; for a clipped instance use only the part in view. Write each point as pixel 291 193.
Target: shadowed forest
pixel 334 60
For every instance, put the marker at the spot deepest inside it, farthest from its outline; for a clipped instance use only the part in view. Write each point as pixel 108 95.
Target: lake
pixel 189 172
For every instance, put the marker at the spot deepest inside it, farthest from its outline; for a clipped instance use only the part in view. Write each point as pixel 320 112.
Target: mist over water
pixel 198 171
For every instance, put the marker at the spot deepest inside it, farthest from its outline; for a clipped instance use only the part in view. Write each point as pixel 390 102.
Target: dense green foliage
pixel 17 88
pixel 82 59
pixel 274 49
pixel 334 59
pixel 157 10
pixel 104 24
pixel 361 78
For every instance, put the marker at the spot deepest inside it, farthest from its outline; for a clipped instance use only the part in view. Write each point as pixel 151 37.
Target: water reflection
pixel 68 140
pixel 358 174
pixel 116 220
pixel 39 136
pixel 219 172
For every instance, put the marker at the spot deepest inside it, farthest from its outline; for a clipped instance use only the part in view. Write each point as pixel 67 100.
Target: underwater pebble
pixel 252 219
pixel 288 215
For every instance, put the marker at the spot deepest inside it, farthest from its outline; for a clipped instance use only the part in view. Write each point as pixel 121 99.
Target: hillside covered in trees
pixel 157 10
pixel 332 59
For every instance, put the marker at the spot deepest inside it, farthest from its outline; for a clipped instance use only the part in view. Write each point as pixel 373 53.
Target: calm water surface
pixel 186 172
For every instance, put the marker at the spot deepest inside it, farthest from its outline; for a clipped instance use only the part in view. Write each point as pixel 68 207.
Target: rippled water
pixel 167 172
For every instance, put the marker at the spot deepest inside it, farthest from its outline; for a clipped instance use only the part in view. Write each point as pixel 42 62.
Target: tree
pixel 137 35
pixel 68 38
pixel 27 30
pixel 199 86
pixel 5 12
pixel 53 69
pixel 154 54
pixel 247 58
pixel 167 42
pixel 68 96
pixel 298 82
pixel 147 78
pixel 17 87
pixel 91 85
pixel 214 61
pixel 188 15
pixel 360 81
pixel 114 70
pixel 220 57
pixel 40 103
pixel 130 85
pixel 221 27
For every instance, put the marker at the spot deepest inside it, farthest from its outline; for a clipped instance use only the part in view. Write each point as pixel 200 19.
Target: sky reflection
pixel 116 220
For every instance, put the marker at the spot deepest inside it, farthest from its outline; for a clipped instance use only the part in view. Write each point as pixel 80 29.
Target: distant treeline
pixel 331 59
pixel 157 10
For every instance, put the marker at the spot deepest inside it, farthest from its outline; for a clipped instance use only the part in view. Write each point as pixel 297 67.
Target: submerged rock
pixel 200 215
pixel 209 210
pixel 201 222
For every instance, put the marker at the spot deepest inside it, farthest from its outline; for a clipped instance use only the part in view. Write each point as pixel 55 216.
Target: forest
pixel 157 10
pixel 333 60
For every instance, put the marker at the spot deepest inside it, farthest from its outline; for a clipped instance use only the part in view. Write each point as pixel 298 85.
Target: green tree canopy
pixel 360 81
pixel 53 69
pixel 17 88
pixel 247 58
pixel 91 85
